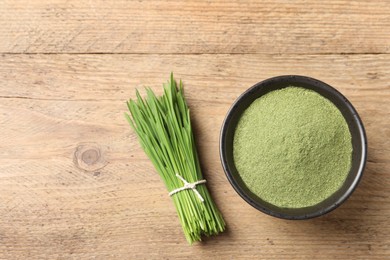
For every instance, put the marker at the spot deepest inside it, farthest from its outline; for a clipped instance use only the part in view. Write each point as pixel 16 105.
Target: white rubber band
pixel 187 186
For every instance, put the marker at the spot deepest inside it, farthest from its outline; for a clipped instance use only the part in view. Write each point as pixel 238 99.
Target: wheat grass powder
pixel 292 148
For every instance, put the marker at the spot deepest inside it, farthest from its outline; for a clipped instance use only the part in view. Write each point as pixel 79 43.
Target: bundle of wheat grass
pixel 164 130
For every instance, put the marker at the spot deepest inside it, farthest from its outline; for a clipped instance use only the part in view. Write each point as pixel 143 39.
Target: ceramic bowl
pixel 359 144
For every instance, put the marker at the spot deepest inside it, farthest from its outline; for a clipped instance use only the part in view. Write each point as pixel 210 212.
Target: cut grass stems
pixel 164 130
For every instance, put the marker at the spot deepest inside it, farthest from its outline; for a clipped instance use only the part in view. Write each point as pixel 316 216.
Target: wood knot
pixel 89 157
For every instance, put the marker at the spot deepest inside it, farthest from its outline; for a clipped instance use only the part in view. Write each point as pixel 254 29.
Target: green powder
pixel 292 148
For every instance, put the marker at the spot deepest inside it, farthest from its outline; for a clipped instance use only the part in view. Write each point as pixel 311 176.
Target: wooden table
pixel 74 183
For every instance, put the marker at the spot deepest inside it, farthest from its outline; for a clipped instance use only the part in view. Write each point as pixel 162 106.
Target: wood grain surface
pixel 200 26
pixel 74 182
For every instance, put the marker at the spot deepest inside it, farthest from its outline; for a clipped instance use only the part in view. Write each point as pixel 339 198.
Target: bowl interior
pixel 355 126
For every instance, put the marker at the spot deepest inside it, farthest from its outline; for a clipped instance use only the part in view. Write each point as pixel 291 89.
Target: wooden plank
pixel 219 26
pixel 52 105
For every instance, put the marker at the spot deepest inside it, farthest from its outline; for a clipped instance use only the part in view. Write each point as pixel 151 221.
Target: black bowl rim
pixel 258 206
